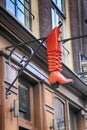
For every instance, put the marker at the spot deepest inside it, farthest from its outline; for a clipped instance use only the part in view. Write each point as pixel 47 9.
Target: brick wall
pixel 78 27
pixel 3 3
pixel 75 31
pixel 45 21
pixel 84 25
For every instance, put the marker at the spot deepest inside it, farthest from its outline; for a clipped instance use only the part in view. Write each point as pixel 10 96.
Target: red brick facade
pixel 78 14
pixel 45 20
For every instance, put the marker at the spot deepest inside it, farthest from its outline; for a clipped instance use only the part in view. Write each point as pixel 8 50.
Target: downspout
pixel 80 22
pixel 80 29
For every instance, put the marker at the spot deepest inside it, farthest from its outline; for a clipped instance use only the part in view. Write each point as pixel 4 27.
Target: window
pixel 58 12
pixel 21 10
pixel 24 99
pixel 60 5
pixel 55 18
pixel 75 119
pixel 59 114
pixel 21 128
pixel 83 67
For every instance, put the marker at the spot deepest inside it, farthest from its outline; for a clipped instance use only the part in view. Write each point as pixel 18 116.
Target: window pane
pixel 73 118
pixel 20 10
pixel 24 99
pixel 59 4
pixel 24 94
pixel 53 18
pixel 57 19
pixel 20 16
pixel 27 14
pixel 59 114
pixel 54 1
pixel 10 6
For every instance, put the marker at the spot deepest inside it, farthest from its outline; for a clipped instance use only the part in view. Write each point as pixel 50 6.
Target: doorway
pixel 21 128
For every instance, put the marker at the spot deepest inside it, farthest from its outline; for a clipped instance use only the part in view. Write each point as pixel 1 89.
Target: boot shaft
pixel 53 43
pixel 54 50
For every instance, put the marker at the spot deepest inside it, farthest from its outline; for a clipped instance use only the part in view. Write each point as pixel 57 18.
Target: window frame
pixel 61 16
pixel 64 104
pixel 62 13
pixel 26 19
pixel 24 122
pixel 23 111
pixel 74 111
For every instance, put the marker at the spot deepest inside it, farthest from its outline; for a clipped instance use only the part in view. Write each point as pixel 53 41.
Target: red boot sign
pixel 54 52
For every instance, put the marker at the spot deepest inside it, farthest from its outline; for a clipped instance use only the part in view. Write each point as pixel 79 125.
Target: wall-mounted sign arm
pixel 26 63
pixel 73 38
pixel 14 47
pixel 24 43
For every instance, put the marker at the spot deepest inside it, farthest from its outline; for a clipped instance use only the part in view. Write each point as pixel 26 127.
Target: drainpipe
pixel 80 22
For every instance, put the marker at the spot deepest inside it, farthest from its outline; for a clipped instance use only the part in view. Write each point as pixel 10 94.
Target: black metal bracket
pixel 33 53
pixel 73 38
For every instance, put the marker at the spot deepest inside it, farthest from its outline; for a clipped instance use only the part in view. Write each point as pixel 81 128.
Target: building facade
pixel 27 100
pixel 78 28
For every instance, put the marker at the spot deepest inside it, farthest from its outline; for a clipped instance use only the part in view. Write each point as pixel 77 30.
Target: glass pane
pixel 59 114
pixel 20 16
pixel 10 6
pixel 73 117
pixel 71 121
pixel 27 14
pixel 24 99
pixel 54 1
pixel 20 10
pixel 20 5
pixel 53 18
pixel 24 94
pixel 59 4
pixel 57 19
